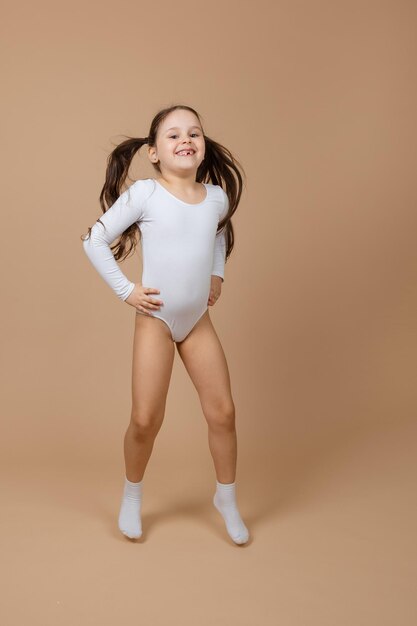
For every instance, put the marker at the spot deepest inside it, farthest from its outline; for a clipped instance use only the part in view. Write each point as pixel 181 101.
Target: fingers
pixel 153 303
pixel 143 310
pixel 213 298
pixel 148 302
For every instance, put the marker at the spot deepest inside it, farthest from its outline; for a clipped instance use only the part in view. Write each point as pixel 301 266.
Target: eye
pixel 172 136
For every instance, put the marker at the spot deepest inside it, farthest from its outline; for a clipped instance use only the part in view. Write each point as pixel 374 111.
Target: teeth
pixel 185 152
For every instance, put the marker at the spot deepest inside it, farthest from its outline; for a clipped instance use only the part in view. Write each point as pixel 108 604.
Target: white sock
pixel 129 517
pixel 225 502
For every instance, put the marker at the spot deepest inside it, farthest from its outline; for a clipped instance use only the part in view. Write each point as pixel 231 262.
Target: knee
pixel 221 416
pixel 144 423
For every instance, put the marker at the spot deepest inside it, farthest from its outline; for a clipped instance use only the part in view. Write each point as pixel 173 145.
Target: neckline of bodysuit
pixel 182 201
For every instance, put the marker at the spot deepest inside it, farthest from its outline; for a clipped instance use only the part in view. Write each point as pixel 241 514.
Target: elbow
pixel 88 244
pixel 92 238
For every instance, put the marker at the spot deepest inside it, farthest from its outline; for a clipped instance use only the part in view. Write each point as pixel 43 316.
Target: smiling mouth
pixel 185 153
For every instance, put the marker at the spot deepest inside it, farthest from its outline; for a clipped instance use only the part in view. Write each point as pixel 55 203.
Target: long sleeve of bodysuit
pixel 127 209
pixel 220 243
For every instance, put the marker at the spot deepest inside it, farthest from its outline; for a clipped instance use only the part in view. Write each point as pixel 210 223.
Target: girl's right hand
pixel 140 299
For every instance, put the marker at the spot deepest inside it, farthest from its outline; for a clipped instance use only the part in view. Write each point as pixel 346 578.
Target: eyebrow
pixel 177 127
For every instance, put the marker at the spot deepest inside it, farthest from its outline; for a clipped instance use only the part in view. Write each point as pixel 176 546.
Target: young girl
pixel 186 237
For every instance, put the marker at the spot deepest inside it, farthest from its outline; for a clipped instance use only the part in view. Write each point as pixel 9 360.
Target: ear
pixel 152 155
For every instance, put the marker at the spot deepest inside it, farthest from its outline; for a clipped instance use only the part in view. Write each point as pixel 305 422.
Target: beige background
pixel 317 317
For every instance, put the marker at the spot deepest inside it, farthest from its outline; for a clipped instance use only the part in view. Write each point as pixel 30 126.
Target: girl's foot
pixel 129 517
pixel 225 502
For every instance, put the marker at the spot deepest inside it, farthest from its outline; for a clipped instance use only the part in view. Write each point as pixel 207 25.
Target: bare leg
pixel 205 361
pixel 153 357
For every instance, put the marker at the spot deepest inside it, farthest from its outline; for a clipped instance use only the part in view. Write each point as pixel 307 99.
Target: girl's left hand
pixel 215 289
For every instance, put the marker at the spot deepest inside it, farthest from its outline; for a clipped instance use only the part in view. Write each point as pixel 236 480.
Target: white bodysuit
pixel 180 249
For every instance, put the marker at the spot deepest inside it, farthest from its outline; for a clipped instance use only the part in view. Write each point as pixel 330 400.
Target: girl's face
pixel 180 145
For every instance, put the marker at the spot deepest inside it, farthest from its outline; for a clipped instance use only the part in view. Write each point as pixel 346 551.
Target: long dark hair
pixel 218 167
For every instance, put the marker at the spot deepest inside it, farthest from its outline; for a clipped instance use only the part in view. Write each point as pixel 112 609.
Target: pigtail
pixel 222 168
pixel 218 167
pixel 118 164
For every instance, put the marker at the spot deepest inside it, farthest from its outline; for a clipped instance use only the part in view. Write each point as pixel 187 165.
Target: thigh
pixel 205 362
pixel 153 356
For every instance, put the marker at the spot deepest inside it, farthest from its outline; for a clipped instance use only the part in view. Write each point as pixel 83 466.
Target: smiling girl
pixel 183 219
